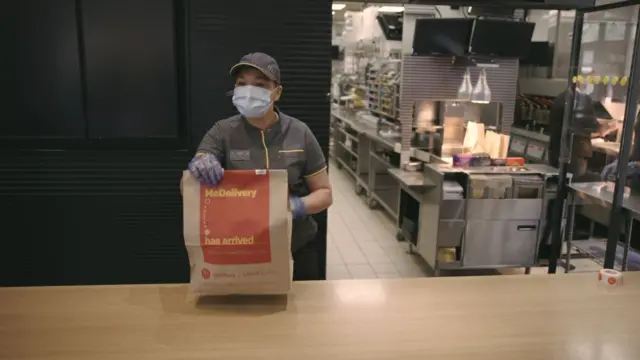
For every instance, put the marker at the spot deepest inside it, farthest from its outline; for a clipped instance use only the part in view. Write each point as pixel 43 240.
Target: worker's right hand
pixel 608 171
pixel 207 169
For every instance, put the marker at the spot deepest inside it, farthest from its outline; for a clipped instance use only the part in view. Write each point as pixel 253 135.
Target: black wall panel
pixel 130 66
pixel 91 217
pixel 108 215
pixel 296 33
pixel 100 215
pixel 40 70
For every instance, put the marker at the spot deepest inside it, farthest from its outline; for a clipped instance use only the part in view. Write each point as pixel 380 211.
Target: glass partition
pixel 607 44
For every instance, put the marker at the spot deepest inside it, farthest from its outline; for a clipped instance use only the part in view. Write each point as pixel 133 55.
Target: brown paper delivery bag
pixel 238 233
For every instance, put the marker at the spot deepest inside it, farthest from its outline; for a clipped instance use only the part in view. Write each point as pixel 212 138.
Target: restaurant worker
pixel 262 137
pixel 584 126
pixel 633 166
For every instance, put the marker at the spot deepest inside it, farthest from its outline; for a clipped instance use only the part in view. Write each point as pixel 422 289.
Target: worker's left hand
pixel 607 172
pixel 298 207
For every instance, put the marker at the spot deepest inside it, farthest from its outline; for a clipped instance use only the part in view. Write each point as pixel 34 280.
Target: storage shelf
pixel 388 199
pixel 595 250
pixel 364 177
pixel 384 162
pixel 348 149
pixel 347 134
pixel 450 265
pixel 346 167
pixel 386 182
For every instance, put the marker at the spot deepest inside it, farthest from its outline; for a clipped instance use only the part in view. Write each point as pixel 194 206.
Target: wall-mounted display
pixel 500 38
pixel 442 36
pixel 391 25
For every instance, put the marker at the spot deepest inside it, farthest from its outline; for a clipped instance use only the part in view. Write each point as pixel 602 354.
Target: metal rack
pixel 586 194
pixel 619 211
pixel 383 87
pixel 365 155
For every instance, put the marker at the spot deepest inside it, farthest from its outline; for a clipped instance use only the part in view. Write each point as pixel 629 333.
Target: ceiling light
pixel 481 93
pixel 391 9
pixel 333 13
pixel 466 88
pixel 338 7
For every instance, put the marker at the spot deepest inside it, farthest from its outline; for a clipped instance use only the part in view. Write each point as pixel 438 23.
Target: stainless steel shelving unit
pixel 367 157
pixel 597 193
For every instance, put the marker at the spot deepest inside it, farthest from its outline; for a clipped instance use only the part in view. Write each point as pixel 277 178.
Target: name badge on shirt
pixel 240 155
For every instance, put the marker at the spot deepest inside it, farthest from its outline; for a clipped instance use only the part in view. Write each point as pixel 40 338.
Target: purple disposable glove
pixel 298 207
pixel 207 169
pixel 609 170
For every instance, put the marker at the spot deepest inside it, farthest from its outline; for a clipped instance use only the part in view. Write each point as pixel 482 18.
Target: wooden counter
pixel 493 318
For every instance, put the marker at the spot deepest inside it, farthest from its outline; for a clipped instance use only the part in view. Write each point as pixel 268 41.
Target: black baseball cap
pixel 260 61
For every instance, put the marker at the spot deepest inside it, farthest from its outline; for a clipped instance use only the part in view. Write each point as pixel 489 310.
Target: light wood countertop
pixel 535 317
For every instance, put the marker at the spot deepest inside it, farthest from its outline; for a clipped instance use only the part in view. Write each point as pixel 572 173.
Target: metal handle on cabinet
pixel 526 227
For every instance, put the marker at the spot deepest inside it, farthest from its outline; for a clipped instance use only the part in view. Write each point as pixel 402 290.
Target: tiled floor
pixel 362 244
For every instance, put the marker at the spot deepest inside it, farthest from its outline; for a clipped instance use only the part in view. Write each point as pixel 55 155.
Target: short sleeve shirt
pixel 288 144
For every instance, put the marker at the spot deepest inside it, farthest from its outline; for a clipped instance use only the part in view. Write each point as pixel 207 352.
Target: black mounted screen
pixel 501 38
pixel 540 54
pixel 391 25
pixel 442 36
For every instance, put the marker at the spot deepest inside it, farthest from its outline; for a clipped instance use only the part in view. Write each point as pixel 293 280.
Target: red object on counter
pixel 515 161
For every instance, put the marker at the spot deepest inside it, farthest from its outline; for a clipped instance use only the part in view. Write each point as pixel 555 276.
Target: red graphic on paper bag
pixel 234 220
pixel 206 273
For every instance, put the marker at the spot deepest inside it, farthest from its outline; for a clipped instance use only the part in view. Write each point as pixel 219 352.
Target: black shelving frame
pixel 625 146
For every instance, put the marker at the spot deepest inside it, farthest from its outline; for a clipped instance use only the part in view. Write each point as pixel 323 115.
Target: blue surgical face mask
pixel 252 101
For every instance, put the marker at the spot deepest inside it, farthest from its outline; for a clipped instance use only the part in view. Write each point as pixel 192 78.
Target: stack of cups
pixel 610 277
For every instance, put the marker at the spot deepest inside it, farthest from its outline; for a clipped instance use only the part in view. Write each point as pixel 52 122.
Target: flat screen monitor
pixel 442 36
pixel 391 25
pixel 540 54
pixel 501 38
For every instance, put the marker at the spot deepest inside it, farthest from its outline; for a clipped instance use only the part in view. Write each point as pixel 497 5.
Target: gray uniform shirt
pixel 288 144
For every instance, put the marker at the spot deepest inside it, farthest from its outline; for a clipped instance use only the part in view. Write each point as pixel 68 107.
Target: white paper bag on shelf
pixel 504 145
pixel 474 137
pixel 491 143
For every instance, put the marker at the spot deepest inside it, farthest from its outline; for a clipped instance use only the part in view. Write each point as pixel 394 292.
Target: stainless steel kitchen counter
pixel 593 193
pixel 633 206
pixel 601 194
pixel 540 169
pixel 414 180
pixel 363 128
pixel 598 193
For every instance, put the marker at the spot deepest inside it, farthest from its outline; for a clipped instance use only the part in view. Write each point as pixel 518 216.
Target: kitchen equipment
pixel 528 187
pixel 451 190
pixel 490 186
pixel 474 137
pixel 426 115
